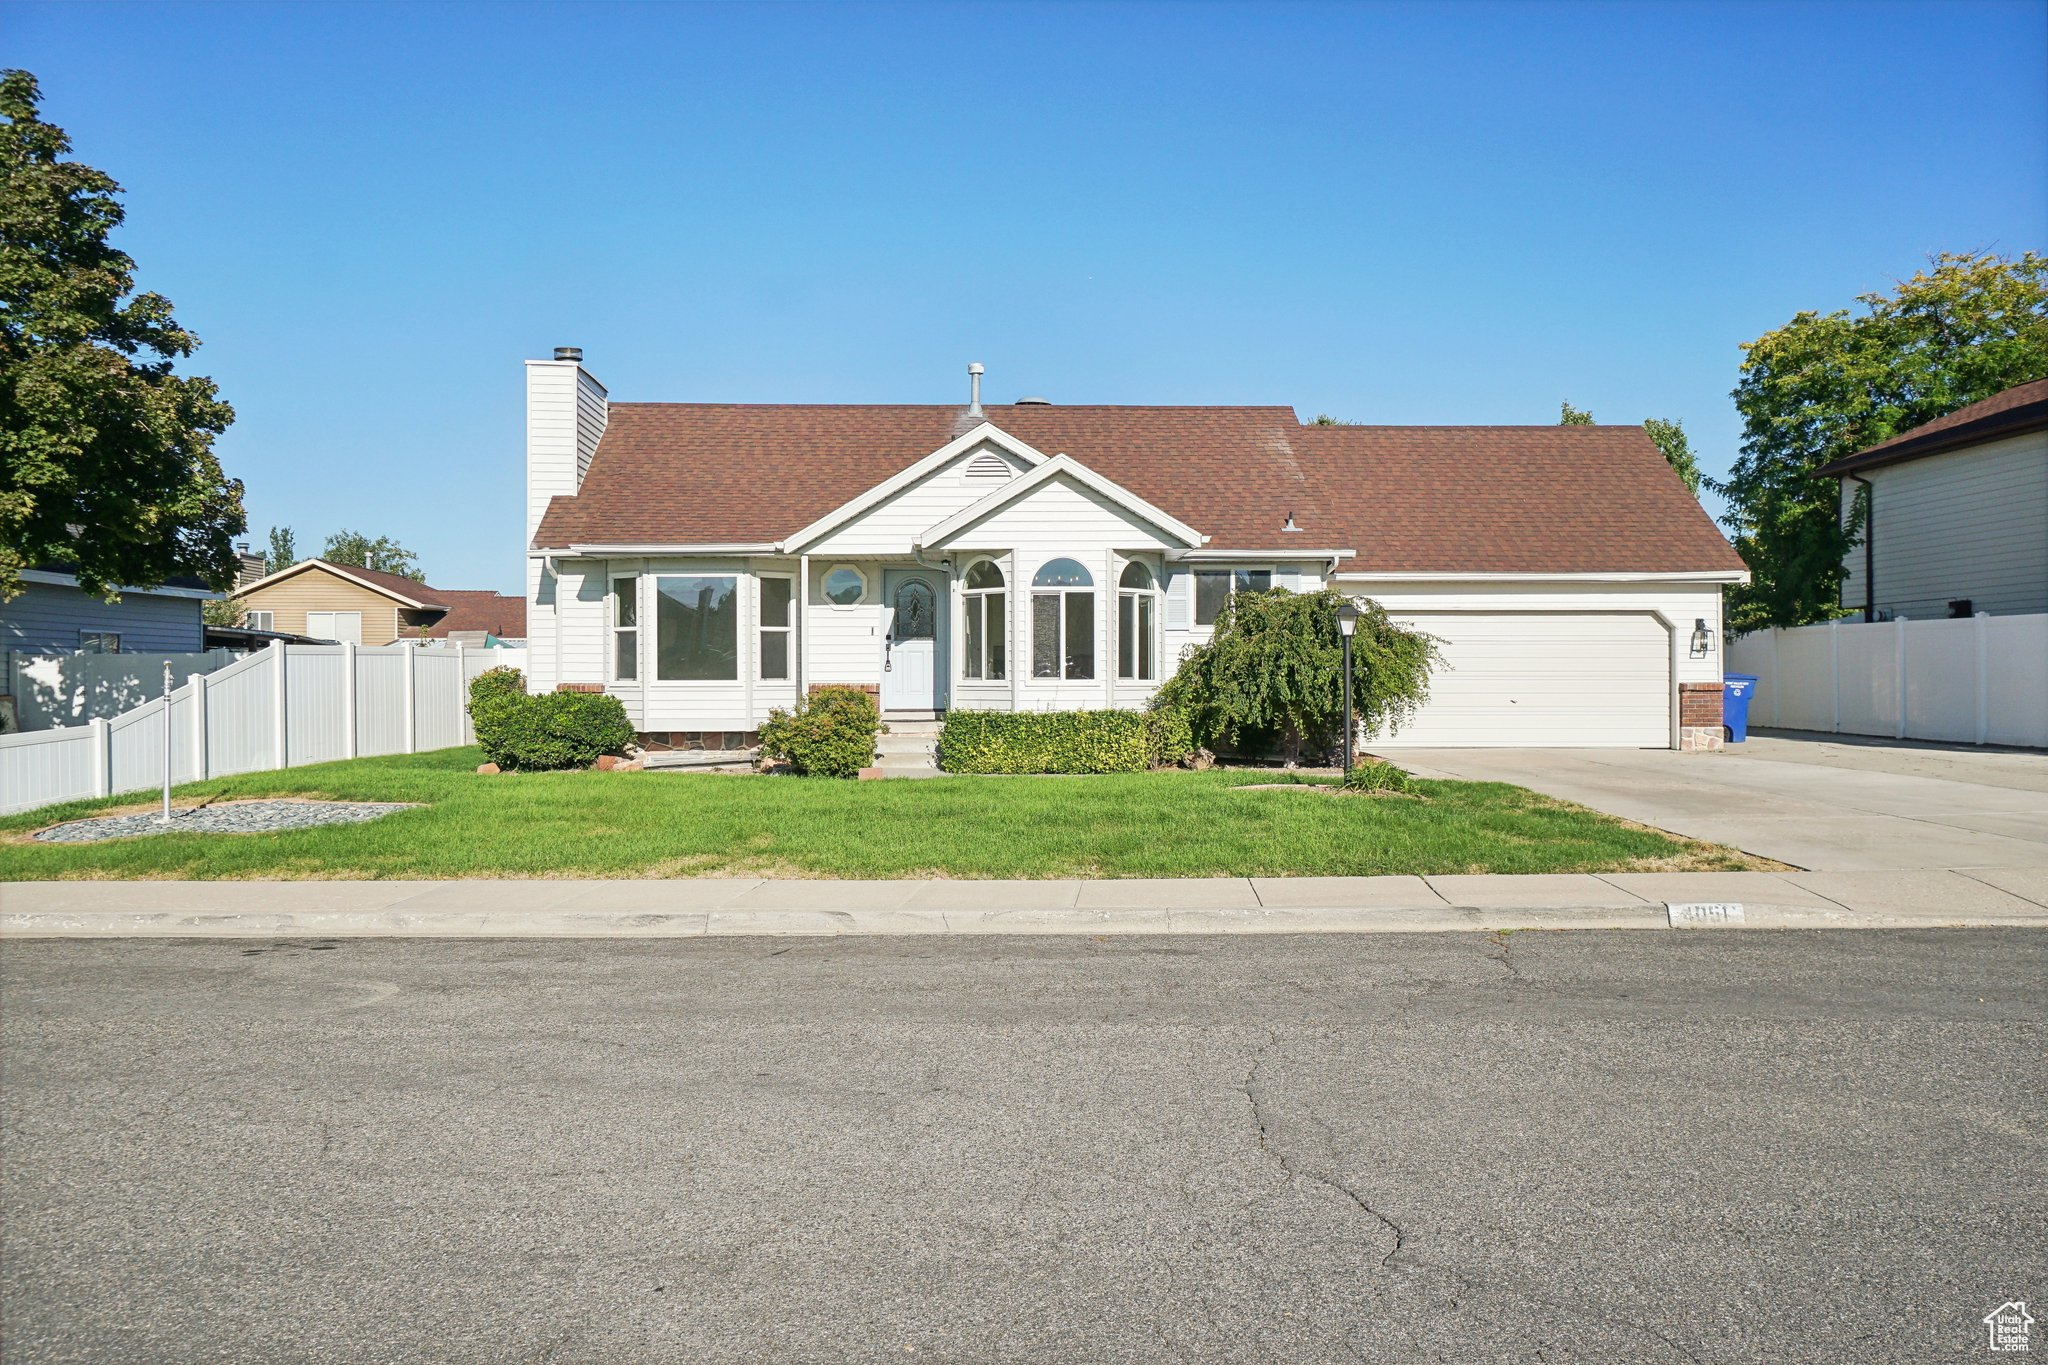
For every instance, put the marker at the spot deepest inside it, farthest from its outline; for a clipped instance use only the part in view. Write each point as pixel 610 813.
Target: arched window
pixel 987 622
pixel 1137 624
pixel 1062 621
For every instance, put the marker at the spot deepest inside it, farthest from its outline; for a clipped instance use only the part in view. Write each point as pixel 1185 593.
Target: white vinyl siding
pixel 1969 524
pixel 892 526
pixel 565 417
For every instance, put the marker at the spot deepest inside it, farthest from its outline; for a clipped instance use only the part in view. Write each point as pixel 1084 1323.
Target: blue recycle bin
pixel 1736 690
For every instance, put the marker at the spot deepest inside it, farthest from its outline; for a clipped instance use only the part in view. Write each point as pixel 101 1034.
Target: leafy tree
pixel 1272 676
pixel 224 611
pixel 1828 385
pixel 1569 416
pixel 1323 419
pixel 284 550
pixel 106 455
pixel 1670 439
pixel 353 547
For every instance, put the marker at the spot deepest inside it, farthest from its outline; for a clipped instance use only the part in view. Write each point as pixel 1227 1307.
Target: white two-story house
pixel 707 563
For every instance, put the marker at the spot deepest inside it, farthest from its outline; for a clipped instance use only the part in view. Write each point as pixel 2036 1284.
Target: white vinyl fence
pixel 1979 680
pixel 281 707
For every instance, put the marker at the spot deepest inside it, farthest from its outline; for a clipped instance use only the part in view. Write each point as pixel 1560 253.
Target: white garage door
pixel 1535 678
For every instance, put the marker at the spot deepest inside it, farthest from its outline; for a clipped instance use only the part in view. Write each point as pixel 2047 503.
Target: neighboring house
pixel 480 618
pixel 1955 520
pixel 54 618
pixel 709 562
pixel 53 615
pixel 342 602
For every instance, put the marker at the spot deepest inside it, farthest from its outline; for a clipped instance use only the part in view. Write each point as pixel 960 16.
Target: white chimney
pixel 566 410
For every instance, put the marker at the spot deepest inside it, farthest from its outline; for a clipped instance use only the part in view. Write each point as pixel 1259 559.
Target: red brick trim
pixel 1699 705
pixel 872 689
pixel 579 687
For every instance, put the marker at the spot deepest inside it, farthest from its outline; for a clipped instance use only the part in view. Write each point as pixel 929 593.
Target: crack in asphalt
pixel 1269 1144
pixel 1504 939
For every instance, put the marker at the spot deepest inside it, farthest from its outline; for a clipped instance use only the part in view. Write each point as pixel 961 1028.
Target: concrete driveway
pixel 1829 803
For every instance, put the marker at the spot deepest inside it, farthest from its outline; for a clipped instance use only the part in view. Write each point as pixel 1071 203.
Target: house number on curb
pixel 1683 913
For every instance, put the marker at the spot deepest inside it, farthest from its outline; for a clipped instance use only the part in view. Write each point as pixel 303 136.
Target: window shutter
pixel 1177 584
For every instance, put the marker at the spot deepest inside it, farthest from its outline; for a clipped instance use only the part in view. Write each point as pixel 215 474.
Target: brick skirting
pixel 579 687
pixel 872 689
pixel 1699 717
pixel 1699 703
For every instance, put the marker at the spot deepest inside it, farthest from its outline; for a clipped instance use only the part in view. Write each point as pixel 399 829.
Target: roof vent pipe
pixel 574 353
pixel 974 380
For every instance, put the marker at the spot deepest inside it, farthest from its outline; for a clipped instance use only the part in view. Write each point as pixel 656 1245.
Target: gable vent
pixel 988 465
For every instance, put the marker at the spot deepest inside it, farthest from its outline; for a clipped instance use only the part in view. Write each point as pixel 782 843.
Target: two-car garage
pixel 1556 678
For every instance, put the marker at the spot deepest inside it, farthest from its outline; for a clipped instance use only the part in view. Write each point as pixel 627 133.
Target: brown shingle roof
pixel 1472 499
pixel 475 609
pixel 392 582
pixel 1551 499
pixel 2021 408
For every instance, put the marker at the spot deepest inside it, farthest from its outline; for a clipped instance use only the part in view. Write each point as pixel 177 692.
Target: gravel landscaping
pixel 231 817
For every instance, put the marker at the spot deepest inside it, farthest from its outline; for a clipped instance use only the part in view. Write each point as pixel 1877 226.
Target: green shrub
pixel 544 733
pixel 1169 738
pixel 1272 676
pixel 1045 742
pixel 830 734
pixel 1377 775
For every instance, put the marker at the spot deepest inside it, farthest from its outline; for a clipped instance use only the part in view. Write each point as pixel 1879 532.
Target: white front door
pixel 910 654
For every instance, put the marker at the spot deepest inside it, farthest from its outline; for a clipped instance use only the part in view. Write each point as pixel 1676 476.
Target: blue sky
pixel 1452 213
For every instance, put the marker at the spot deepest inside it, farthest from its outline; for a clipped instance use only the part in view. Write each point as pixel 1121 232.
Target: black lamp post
pixel 1347 621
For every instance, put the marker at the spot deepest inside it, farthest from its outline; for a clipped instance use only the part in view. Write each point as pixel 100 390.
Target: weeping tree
pixel 1272 677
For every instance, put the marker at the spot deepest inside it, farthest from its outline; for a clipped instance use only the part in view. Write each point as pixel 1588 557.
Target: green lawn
pixel 589 824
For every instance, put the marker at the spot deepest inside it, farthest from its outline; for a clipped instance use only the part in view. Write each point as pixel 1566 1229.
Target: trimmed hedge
pixel 1045 742
pixel 830 734
pixel 541 734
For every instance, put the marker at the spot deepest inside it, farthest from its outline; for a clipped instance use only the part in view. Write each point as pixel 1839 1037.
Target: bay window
pixel 987 622
pixel 1063 622
pixel 626 628
pixel 1213 587
pixel 696 628
pixel 778 614
pixel 1137 616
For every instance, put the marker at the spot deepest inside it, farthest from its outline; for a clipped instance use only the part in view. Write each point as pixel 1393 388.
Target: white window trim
pixel 613 629
pixel 1195 621
pixel 259 620
pixel 742 665
pixel 788 628
pixel 1157 632
pixel 1094 592
pixel 971 598
pixel 826 577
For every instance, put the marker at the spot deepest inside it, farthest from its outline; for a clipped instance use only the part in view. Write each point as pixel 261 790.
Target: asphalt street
pixel 1584 1146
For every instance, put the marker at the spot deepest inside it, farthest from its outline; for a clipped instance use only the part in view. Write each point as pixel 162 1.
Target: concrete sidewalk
pixel 1233 905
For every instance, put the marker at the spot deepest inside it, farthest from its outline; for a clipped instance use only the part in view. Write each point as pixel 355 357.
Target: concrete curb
pixel 1226 905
